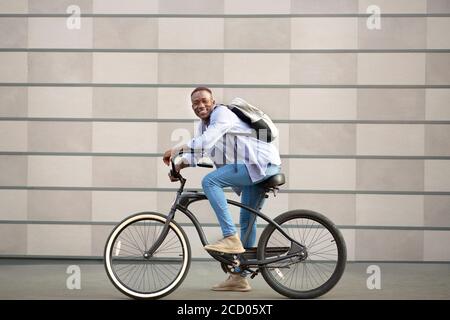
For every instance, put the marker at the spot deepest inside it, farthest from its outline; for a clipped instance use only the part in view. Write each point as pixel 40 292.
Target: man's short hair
pixel 201 89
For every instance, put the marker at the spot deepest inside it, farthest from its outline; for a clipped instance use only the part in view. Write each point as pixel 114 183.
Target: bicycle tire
pixel 159 221
pixel 341 252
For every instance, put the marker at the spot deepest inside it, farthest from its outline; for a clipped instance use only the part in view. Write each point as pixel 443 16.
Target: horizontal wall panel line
pixel 46 259
pixel 173 190
pixel 82 154
pixel 13 259
pixel 224 86
pixel 216 225
pixel 399 261
pixel 375 157
pixel 157 155
pixel 90 223
pixel 231 16
pixel 226 50
pixel 155 120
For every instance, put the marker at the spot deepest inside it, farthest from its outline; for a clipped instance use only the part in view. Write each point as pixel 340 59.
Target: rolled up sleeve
pixel 191 158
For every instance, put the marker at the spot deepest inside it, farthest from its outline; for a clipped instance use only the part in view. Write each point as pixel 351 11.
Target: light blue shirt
pixel 227 140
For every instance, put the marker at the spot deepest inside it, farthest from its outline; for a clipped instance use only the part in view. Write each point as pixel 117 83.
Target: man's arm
pixel 172 153
pixel 189 156
pixel 221 122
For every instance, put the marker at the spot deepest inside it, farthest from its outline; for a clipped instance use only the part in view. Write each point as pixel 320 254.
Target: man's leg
pixel 213 185
pixel 253 197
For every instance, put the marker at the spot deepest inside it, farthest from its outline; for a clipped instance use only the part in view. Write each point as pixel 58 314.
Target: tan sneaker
pixel 234 283
pixel 231 244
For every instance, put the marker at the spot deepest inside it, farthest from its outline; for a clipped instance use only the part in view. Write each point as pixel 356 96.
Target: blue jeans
pixel 252 196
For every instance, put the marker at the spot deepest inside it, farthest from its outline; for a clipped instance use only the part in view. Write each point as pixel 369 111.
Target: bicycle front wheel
pixel 136 274
pixel 299 277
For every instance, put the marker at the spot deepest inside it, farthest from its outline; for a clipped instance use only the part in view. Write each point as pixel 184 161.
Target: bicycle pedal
pixel 254 274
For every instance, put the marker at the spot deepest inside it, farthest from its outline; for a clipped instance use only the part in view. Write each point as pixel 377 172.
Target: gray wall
pixel 85 115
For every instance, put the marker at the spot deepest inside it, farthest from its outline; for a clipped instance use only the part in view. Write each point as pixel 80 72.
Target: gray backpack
pixel 255 118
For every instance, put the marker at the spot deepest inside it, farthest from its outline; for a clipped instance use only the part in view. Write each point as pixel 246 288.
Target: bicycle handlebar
pixel 176 174
pixel 173 172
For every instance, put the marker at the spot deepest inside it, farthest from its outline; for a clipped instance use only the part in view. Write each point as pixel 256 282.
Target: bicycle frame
pixel 183 200
pixel 188 198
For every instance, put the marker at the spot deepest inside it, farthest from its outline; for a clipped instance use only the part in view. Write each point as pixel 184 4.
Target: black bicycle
pixel 301 254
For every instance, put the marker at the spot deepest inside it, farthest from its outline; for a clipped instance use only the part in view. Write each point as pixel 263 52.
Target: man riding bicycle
pixel 242 162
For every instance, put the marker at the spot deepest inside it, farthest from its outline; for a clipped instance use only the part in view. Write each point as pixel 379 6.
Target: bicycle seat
pixel 274 181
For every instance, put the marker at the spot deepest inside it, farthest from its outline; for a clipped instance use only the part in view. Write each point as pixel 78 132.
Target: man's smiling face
pixel 202 104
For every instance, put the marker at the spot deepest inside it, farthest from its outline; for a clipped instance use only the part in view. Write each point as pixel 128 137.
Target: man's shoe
pixel 234 283
pixel 231 244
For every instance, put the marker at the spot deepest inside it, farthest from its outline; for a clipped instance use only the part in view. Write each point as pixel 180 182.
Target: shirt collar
pixel 209 119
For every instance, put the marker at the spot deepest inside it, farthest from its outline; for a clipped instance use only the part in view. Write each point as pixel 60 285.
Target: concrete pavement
pixel 46 279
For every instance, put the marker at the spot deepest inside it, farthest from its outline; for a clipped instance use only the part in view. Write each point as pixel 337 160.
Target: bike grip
pixel 174 174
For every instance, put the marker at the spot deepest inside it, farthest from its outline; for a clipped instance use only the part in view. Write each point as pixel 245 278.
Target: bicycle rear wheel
pixel 134 273
pixel 300 277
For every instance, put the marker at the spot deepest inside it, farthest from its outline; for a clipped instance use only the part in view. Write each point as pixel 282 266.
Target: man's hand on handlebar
pixel 172 178
pixel 177 167
pixel 167 156
pixel 172 153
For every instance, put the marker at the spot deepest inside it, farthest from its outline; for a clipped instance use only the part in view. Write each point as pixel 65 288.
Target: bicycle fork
pixel 149 253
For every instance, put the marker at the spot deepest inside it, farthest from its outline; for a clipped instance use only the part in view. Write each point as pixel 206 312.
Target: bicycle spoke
pixel 134 242
pixel 315 238
pixel 126 237
pixel 319 272
pixel 124 247
pixel 137 273
pixel 279 241
pixel 165 243
pixel 138 235
pixel 321 256
pixel 326 251
pixel 317 243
